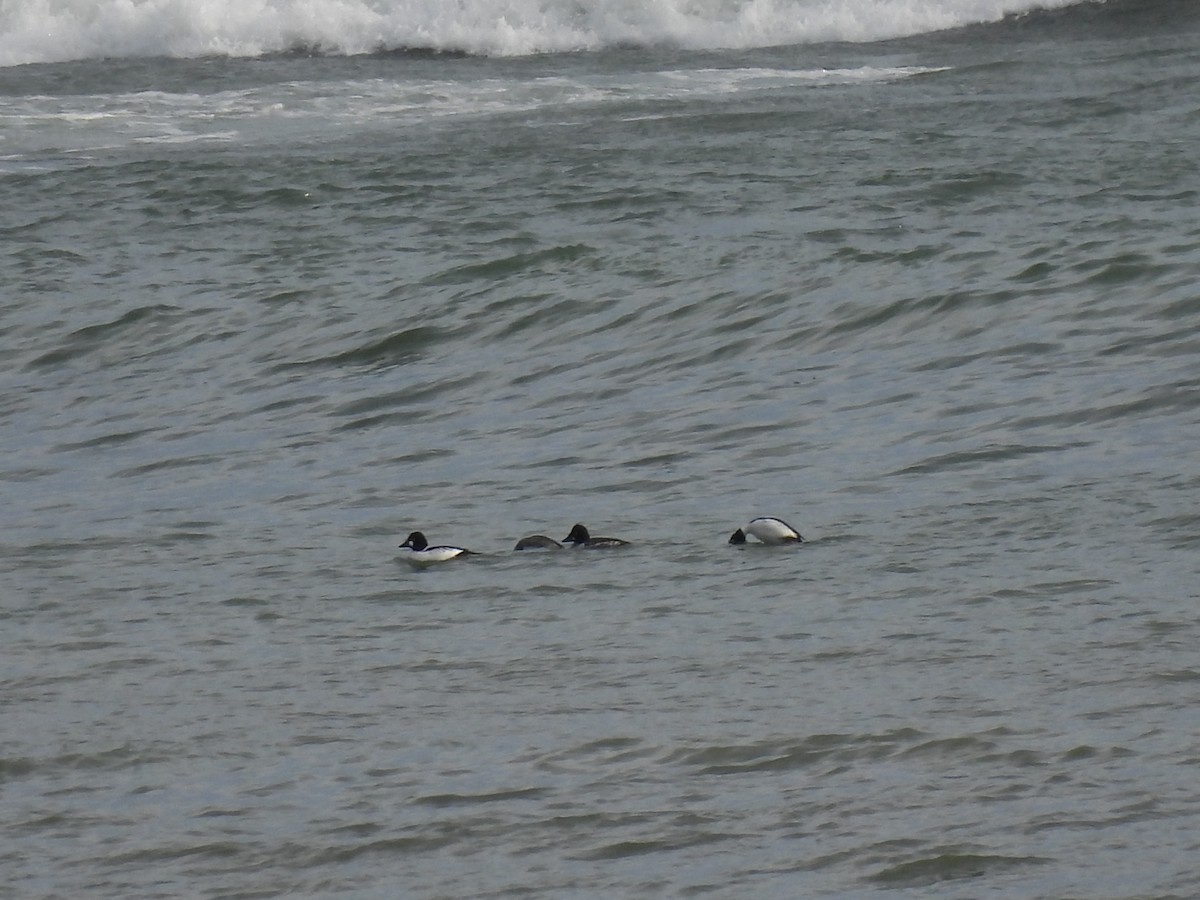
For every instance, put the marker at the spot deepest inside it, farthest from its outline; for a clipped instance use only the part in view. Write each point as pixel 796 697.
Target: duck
pixel 580 538
pixel 769 530
pixel 537 542
pixel 422 554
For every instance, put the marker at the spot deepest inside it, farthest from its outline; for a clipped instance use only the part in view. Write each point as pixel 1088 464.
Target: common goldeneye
pixel 537 542
pixel 422 554
pixel 769 530
pixel 580 538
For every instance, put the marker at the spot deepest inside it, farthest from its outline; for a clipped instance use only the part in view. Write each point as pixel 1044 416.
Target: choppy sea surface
pixel 280 285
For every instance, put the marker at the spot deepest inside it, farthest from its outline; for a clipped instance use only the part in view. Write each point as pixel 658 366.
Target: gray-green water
pixel 933 300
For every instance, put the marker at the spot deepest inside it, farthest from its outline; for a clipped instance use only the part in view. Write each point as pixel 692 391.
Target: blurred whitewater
pixel 45 31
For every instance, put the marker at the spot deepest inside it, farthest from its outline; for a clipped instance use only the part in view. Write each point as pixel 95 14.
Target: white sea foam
pixel 80 124
pixel 57 30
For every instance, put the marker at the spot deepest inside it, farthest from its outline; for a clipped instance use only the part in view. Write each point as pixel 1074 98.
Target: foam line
pixel 46 31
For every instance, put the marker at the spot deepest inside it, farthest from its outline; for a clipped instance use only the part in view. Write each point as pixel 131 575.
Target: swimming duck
pixel 422 554
pixel 580 538
pixel 769 530
pixel 537 542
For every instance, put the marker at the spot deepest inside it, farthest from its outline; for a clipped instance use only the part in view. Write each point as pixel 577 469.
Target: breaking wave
pixel 34 31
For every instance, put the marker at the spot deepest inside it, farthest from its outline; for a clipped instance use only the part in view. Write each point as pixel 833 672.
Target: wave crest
pixel 59 30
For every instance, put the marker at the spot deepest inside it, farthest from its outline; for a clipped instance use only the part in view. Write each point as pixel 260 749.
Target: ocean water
pixel 282 282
